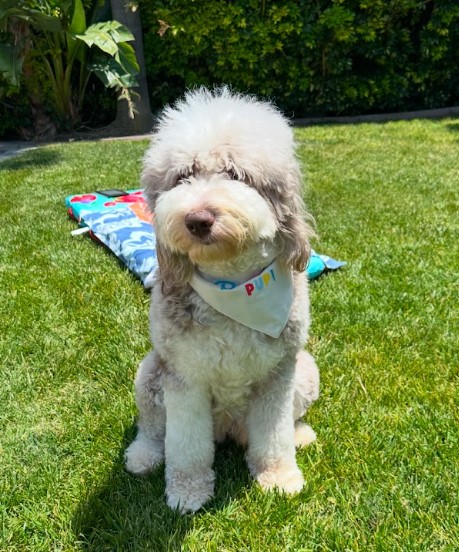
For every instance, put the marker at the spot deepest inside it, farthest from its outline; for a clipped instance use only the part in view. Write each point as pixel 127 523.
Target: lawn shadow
pixel 130 513
pixel 453 127
pixel 30 159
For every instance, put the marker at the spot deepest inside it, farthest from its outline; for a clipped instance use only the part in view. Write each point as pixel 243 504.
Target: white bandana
pixel 262 303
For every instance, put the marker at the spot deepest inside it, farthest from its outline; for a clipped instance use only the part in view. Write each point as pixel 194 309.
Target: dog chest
pixel 203 346
pixel 225 354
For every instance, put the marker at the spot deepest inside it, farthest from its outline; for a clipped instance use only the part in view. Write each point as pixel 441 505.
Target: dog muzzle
pixel 262 303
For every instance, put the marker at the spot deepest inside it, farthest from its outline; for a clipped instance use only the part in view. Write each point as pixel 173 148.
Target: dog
pixel 229 311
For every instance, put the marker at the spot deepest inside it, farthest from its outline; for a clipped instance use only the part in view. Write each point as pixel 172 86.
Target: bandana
pixel 262 303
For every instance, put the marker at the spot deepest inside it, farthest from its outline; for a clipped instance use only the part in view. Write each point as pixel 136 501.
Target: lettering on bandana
pixel 262 303
pixel 260 282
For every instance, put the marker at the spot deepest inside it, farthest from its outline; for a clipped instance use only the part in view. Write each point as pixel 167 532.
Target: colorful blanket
pixel 121 221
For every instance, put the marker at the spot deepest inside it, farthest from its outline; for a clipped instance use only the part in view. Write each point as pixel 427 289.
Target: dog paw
pixel 142 456
pixel 304 435
pixel 188 493
pixel 289 481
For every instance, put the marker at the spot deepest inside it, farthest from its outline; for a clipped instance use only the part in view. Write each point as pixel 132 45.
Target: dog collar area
pixel 263 302
pixel 225 283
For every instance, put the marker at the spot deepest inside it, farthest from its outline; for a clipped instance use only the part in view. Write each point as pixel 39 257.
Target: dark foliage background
pixel 313 57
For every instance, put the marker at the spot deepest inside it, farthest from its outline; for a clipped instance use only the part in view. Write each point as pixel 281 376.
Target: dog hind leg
pixel 146 452
pixel 306 392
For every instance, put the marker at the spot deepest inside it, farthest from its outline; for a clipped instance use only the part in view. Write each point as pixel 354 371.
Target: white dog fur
pixel 227 163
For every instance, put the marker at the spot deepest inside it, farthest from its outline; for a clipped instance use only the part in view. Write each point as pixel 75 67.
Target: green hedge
pixel 312 57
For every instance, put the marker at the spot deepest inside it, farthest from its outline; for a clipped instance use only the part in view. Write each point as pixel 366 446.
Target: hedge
pixel 312 57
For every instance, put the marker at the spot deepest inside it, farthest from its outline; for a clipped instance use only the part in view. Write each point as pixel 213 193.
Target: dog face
pixel 221 176
pixel 212 218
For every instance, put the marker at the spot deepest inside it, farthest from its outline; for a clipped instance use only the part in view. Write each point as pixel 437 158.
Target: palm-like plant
pixel 55 37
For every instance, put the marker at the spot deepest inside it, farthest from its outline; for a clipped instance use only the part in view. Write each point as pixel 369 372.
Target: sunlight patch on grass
pixel 383 474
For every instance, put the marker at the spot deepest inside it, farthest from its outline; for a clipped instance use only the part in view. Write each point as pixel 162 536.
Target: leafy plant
pixel 313 57
pixel 56 37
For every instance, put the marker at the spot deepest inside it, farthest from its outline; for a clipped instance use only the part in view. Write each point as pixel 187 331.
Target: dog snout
pixel 199 223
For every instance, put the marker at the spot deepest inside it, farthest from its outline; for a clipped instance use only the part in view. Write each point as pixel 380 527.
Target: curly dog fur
pixel 224 185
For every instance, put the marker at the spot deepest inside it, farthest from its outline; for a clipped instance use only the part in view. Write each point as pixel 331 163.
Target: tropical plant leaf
pixel 38 20
pixel 111 73
pixel 119 32
pixel 106 36
pixel 7 9
pixel 78 23
pixel 77 26
pixel 10 64
pixel 126 58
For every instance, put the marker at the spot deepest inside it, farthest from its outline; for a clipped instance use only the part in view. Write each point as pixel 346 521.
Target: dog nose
pixel 199 223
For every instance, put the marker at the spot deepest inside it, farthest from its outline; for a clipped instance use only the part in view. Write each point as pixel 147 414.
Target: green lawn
pixel 384 473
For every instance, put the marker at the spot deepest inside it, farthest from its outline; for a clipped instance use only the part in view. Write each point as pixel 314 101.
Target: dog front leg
pixel 189 447
pixel 271 452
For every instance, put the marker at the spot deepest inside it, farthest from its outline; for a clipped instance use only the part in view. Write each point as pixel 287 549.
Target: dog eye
pixel 233 174
pixel 179 178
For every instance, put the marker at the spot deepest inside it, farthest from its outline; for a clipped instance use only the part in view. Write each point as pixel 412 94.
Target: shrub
pixel 311 57
pixel 55 37
pixel 14 111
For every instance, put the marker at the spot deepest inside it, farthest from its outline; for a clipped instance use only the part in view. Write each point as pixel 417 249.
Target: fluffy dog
pixel 230 311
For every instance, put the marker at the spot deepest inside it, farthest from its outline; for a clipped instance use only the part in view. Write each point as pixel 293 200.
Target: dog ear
pixel 160 172
pixel 284 195
pixel 175 269
pixel 155 180
pixel 295 234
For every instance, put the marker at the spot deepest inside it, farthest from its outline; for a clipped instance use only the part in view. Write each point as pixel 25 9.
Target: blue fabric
pixel 130 239
pixel 321 263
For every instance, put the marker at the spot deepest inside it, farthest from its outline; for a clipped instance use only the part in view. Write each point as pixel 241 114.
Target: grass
pixel 383 474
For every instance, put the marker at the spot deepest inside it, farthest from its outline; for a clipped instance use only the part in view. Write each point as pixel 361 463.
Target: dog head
pixel 221 178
